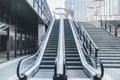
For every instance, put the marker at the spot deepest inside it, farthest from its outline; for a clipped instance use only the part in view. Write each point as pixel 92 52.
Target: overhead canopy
pixel 21 9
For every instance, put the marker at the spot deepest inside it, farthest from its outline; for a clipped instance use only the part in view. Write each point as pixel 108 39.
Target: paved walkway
pixel 112 74
pixel 8 72
pixel 68 79
pixel 3 56
pixel 8 69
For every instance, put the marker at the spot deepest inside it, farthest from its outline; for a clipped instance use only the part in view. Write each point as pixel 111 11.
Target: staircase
pixel 47 65
pixel 73 63
pixel 109 46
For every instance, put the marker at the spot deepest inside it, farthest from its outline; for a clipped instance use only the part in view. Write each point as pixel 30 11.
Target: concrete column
pixel 8 44
pixel 25 48
pixel 28 44
pixel 20 44
pixel 41 32
pixel 15 43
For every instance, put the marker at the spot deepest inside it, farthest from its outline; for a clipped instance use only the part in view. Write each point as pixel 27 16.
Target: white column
pixel 41 32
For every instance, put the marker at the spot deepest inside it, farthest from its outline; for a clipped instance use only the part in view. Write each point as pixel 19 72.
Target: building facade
pixel 20 22
pixel 77 9
pixel 42 9
pixel 92 10
pixel 104 9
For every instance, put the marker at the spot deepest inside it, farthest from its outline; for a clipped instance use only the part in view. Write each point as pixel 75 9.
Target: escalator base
pixel 59 77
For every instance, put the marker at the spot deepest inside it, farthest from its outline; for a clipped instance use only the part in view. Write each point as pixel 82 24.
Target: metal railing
pixel 92 66
pixel 28 66
pixel 87 42
pixel 60 61
pixel 111 28
pixel 94 62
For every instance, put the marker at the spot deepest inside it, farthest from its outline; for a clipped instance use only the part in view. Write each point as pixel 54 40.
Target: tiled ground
pixel 8 72
pixel 8 69
pixel 3 55
pixel 112 74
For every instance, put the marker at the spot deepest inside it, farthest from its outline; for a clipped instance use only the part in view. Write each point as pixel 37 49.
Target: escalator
pixel 45 62
pixel 73 62
pixel 79 64
pixel 48 60
pixel 60 57
pixel 51 48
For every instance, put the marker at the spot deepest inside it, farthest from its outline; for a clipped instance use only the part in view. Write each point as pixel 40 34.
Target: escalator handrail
pixel 82 57
pixel 88 36
pixel 25 59
pixel 64 57
pixel 29 57
pixel 95 59
pixel 102 67
pixel 55 69
pixel 64 66
pixel 56 59
pixel 35 67
pixel 99 61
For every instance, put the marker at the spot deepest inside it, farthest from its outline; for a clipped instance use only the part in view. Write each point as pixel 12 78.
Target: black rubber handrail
pixel 18 68
pixel 22 60
pixel 95 59
pixel 25 59
pixel 87 35
pixel 64 67
pixel 20 76
pixel 55 69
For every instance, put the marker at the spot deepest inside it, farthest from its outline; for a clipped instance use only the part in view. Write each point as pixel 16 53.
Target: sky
pixel 55 4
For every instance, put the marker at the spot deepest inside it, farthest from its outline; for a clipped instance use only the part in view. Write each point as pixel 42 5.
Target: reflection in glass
pixel 3 45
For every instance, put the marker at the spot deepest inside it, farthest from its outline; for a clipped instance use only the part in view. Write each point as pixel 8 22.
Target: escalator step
pixel 50 53
pixel 73 63
pixel 74 67
pixel 50 50
pixel 47 62
pixel 49 58
pixel 46 66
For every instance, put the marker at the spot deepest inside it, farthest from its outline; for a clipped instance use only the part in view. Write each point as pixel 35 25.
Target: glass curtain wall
pixel 42 9
pixel 14 41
